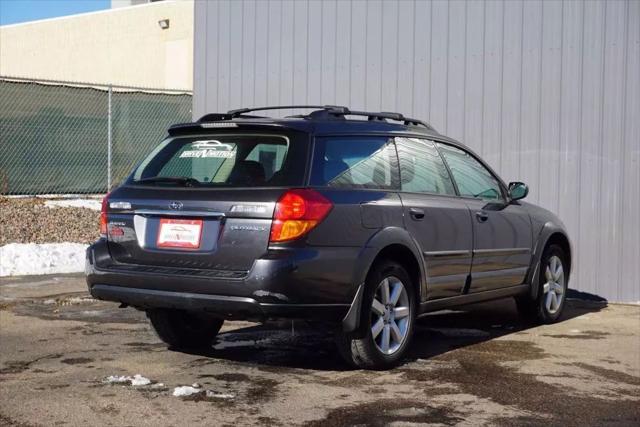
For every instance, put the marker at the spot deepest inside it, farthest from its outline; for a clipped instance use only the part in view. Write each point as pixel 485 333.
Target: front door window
pixel 472 178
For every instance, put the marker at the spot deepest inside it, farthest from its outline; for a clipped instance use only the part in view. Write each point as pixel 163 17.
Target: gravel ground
pixel 28 220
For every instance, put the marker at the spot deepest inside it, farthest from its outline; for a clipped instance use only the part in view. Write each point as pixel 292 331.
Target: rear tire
pixel 386 322
pixel 184 330
pixel 553 281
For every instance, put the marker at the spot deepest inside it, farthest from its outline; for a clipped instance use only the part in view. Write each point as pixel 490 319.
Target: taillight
pixel 103 216
pixel 298 212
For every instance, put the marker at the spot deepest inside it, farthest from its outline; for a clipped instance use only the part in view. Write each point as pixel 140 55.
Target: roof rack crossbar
pixel 390 116
pixel 240 111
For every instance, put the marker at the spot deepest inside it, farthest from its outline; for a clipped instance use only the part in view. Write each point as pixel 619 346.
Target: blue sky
pixel 16 11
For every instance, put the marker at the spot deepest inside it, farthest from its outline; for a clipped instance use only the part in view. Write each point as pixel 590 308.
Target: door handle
pixel 481 216
pixel 416 214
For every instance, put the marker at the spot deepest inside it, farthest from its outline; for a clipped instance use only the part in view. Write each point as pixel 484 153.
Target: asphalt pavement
pixel 61 354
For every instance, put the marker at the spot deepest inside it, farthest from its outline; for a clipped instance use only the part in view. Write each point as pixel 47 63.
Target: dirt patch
pixel 261 390
pixel 202 361
pixel 507 386
pixel 43 371
pixel 152 392
pixel 584 335
pixel 205 397
pixel 347 379
pixel 58 386
pixel 146 346
pixel 610 374
pixel 230 377
pixel 268 421
pixel 18 366
pixel 6 305
pixel 76 360
pixel 384 412
pixel 8 421
pixel 86 310
pixel 509 350
pixel 109 409
pixel 28 220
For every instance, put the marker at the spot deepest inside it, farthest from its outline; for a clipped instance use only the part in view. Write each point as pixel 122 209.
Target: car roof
pixel 324 120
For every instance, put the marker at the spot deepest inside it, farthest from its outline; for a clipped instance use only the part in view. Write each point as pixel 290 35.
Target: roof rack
pixel 321 111
pixel 232 114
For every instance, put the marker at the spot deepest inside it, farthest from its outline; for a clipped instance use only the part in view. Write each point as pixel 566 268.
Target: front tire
pixel 386 322
pixel 552 289
pixel 184 330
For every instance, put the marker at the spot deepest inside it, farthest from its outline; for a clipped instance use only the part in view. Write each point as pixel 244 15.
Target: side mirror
pixel 518 190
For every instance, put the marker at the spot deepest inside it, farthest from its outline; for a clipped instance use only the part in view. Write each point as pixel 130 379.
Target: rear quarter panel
pixel 355 217
pixel 349 233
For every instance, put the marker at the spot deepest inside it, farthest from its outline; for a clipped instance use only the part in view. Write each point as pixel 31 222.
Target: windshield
pixel 220 161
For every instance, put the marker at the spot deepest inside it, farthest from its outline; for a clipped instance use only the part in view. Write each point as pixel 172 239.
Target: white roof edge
pixel 96 12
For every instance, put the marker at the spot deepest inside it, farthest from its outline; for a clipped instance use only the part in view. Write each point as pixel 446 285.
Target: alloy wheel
pixel 553 288
pixel 390 315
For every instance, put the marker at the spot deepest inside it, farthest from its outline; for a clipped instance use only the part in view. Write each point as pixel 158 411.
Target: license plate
pixel 179 233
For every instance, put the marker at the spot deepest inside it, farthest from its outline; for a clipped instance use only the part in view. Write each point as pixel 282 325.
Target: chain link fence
pixel 75 138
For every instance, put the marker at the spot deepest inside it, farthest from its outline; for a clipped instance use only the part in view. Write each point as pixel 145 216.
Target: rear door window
pixel 355 162
pixel 422 170
pixel 224 161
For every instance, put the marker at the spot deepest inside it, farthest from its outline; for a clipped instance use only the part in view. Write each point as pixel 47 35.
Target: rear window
pixel 223 161
pixel 355 162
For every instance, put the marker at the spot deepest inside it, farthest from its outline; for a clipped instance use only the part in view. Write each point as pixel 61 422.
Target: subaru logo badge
pixel 175 205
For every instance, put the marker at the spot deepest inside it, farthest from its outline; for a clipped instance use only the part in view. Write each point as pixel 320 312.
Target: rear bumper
pixel 307 283
pixel 220 305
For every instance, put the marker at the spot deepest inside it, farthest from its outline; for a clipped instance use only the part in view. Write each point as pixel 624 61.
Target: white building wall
pixel 122 46
pixel 548 92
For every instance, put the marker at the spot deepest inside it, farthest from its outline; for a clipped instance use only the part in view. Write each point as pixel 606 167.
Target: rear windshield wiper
pixel 184 180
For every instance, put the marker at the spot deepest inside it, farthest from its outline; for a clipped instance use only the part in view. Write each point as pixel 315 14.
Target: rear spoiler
pixel 197 127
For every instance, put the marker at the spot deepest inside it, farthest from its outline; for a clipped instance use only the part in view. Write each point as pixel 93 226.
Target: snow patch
pixel 195 389
pixel 136 380
pixel 117 379
pixel 17 259
pixel 186 390
pixel 139 380
pixel 92 204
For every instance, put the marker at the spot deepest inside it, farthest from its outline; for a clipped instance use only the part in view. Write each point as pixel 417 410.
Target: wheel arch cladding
pixel 392 243
pixel 395 252
pixel 550 235
pixel 402 255
pixel 396 242
pixel 558 238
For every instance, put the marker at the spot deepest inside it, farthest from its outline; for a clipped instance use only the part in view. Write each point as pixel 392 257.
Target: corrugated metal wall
pixel 548 92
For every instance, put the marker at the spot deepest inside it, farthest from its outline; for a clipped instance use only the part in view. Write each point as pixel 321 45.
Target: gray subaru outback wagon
pixel 363 220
